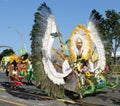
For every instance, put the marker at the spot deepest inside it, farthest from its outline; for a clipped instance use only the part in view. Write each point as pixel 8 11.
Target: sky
pixel 17 18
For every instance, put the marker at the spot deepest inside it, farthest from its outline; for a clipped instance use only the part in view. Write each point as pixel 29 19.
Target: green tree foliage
pixel 6 52
pixel 112 28
pixel 41 78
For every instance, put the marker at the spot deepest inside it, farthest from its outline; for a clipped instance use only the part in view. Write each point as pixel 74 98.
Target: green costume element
pixel 29 65
pixel 107 81
pixel 29 75
pixel 107 84
pixel 97 84
pixel 88 89
pixel 101 83
pixel 23 50
pixel 22 73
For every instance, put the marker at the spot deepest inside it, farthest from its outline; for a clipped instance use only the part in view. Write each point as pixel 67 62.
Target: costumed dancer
pixel 29 72
pixel 14 75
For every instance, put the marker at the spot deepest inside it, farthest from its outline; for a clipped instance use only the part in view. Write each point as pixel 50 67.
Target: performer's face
pixel 78 43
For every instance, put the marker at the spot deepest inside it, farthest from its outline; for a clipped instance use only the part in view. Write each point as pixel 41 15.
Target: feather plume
pixel 46 41
pixel 41 50
pixel 95 36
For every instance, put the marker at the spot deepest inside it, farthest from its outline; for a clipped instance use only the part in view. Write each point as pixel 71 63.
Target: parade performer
pixel 14 75
pixel 76 65
pixel 29 72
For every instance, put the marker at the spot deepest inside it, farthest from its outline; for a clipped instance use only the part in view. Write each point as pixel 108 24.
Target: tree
pixel 112 28
pixel 6 52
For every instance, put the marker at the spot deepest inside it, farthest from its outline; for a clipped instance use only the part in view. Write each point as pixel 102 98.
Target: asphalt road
pixel 31 96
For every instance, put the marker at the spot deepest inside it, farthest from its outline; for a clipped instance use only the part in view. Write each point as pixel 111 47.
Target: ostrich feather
pixel 46 41
pixel 95 36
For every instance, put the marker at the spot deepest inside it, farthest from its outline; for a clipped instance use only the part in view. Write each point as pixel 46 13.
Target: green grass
pixel 115 68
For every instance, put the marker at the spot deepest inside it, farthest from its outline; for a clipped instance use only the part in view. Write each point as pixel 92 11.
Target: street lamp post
pixel 5 47
pixel 22 35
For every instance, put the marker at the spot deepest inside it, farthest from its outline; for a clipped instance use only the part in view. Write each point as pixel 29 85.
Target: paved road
pixel 31 96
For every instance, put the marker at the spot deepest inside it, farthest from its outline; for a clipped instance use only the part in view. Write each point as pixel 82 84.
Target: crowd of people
pixel 19 70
